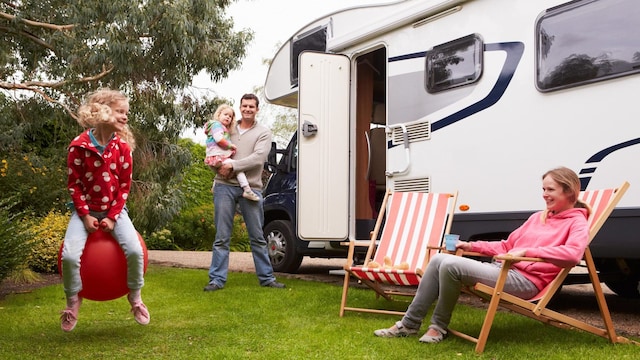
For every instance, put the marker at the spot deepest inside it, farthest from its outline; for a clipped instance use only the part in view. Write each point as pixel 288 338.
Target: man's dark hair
pixel 251 97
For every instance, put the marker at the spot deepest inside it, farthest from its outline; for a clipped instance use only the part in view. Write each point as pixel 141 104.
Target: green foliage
pixel 160 240
pixel 198 178
pixel 282 121
pixel 14 245
pixel 55 52
pixel 193 228
pixel 239 235
pixel 48 235
pixel 38 182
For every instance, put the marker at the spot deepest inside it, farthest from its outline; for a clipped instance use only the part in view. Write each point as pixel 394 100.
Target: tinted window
pixel 315 40
pixel 456 63
pixel 586 41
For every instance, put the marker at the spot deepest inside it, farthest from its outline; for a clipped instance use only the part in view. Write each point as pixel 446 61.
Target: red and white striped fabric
pixel 598 200
pixel 414 221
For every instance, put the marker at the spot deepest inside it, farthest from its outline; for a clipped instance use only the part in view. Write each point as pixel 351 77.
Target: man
pixel 253 142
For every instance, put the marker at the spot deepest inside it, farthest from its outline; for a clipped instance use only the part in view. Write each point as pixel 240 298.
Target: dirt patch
pixel 10 287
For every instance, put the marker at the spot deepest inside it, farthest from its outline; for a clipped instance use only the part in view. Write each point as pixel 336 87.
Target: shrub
pixel 160 240
pixel 193 228
pixel 47 234
pixel 239 235
pixel 14 243
pixel 38 182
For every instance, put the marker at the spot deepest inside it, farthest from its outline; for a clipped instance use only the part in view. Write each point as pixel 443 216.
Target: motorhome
pixel 477 96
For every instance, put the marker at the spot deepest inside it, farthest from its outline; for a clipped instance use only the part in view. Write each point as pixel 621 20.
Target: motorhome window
pixel 453 64
pixel 587 41
pixel 314 40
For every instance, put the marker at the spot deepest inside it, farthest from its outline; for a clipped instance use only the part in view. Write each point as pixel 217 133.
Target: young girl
pixel 219 147
pixel 99 179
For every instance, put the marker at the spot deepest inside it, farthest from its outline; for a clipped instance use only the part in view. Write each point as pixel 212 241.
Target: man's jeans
pixel 225 198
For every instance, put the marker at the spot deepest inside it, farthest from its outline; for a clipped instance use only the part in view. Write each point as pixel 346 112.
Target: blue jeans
pixel 75 239
pixel 225 198
pixel 443 280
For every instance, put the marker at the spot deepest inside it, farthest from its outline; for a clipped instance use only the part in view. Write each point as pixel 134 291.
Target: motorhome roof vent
pixel 418 131
pixel 419 185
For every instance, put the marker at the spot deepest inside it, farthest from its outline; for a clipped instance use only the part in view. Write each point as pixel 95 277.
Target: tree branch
pixel 28 35
pixel 35 86
pixel 37 23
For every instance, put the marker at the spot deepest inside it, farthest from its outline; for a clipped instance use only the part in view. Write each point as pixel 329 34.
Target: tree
pixel 59 50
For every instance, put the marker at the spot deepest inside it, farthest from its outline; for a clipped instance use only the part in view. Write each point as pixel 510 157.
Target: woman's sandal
pixel 434 339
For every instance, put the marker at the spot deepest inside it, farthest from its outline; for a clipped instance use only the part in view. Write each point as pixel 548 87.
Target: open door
pixel 323 147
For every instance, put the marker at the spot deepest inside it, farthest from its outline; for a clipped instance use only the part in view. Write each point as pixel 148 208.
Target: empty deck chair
pixel 414 222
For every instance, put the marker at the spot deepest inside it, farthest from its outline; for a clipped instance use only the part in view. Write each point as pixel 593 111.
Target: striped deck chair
pixel 413 230
pixel 602 203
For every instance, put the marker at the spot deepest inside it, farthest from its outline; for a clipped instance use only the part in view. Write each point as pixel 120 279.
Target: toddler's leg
pixel 244 184
pixel 247 193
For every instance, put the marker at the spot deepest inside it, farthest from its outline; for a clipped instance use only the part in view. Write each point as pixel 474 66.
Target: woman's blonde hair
pixel 219 110
pixel 97 110
pixel 570 183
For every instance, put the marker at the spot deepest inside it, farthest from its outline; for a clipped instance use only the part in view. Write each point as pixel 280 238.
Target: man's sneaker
pixel 140 313
pixel 275 284
pixel 212 287
pixel 397 330
pixel 250 195
pixel 69 316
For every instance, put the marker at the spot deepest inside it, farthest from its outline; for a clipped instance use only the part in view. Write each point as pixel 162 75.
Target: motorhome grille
pixel 417 132
pixel 418 185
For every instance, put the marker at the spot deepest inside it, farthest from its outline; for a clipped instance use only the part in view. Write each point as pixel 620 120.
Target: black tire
pixel 281 243
pixel 626 288
pixel 625 282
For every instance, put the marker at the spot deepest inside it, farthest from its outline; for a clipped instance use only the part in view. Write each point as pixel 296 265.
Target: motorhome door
pixel 323 147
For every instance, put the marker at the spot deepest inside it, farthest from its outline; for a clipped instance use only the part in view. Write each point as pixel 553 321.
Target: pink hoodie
pixel 561 240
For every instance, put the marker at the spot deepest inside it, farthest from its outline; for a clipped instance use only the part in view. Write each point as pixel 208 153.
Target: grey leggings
pixel 443 279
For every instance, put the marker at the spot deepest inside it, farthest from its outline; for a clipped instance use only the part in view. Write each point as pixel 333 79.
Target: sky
pixel 273 22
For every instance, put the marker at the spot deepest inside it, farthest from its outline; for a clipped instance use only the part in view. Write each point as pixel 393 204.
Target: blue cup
pixel 450 241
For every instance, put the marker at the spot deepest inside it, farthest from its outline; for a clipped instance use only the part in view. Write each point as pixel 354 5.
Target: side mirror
pixel 271 163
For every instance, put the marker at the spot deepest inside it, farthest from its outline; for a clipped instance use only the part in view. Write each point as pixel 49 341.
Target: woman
pixel 558 234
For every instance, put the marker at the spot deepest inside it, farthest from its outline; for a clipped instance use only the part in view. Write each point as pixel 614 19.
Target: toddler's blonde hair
pixel 219 110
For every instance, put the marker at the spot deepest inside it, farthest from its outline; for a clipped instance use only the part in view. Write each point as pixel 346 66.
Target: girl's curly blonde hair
pixel 97 109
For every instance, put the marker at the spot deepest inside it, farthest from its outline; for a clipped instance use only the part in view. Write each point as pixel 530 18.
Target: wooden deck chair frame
pixel 602 202
pixel 436 209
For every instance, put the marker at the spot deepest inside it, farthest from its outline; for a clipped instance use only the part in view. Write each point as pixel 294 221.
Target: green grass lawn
pixel 246 321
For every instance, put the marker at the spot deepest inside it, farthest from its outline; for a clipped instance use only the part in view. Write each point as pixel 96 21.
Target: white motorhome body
pixel 479 96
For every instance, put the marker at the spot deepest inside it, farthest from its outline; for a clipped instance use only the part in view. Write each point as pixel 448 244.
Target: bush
pixel 193 228
pixel 14 243
pixel 47 234
pixel 239 235
pixel 38 182
pixel 160 240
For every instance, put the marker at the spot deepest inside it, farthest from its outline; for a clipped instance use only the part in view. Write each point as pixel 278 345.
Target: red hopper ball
pixel 103 267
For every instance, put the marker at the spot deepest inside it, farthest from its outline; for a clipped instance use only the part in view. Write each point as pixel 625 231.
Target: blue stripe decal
pixel 514 52
pixel 408 56
pixel 598 157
